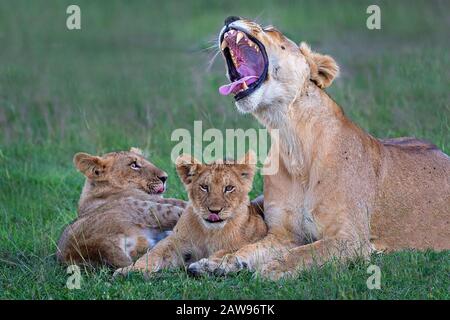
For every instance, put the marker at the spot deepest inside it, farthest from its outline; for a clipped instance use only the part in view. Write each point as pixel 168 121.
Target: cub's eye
pixel 135 166
pixel 204 187
pixel 229 189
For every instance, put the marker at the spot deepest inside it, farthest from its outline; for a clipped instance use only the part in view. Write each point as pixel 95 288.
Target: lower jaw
pixel 245 106
pixel 154 192
pixel 242 95
pixel 215 223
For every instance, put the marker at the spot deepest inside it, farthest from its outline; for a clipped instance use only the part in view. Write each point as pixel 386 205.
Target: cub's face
pixel 266 68
pixel 217 191
pixel 123 170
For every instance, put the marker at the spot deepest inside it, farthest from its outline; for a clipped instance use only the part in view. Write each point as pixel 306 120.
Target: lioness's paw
pixel 203 266
pixel 274 271
pixel 123 272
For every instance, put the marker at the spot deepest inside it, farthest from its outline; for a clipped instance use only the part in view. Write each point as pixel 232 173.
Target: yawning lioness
pixel 339 192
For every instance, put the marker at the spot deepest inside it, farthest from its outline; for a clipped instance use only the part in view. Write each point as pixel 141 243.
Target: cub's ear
pixel 247 165
pixel 187 167
pixel 137 151
pixel 324 68
pixel 91 166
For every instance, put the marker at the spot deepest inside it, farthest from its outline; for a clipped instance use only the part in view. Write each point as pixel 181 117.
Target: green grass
pixel 138 70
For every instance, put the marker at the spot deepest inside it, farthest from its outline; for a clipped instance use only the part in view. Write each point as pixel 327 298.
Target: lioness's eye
pixel 229 189
pixel 135 166
pixel 204 187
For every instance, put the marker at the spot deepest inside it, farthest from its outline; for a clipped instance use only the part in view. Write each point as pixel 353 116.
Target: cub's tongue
pixel 213 217
pixel 248 77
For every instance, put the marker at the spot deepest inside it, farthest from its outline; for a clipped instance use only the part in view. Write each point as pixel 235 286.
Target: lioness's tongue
pixel 248 77
pixel 237 85
pixel 213 217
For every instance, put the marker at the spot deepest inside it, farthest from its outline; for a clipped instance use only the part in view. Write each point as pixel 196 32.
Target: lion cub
pixel 219 218
pixel 121 213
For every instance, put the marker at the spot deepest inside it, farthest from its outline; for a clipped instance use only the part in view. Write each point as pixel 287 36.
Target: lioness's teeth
pixel 223 45
pixel 239 36
pixel 253 45
pixel 233 57
pixel 245 86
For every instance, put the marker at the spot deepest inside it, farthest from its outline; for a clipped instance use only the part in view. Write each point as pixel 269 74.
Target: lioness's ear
pixel 187 167
pixel 91 166
pixel 324 68
pixel 247 165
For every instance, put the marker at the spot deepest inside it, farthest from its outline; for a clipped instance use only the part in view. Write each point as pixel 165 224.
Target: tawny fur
pixel 323 68
pixel 194 237
pixel 120 213
pixel 339 192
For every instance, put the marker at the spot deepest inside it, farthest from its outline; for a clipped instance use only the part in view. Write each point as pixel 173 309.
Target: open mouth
pixel 156 189
pixel 247 63
pixel 213 218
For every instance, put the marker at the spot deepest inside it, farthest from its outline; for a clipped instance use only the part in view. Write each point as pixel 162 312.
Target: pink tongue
pixel 248 76
pixel 213 217
pixel 236 85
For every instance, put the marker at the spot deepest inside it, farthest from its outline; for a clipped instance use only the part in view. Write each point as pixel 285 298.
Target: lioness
pixel 121 212
pixel 218 220
pixel 338 190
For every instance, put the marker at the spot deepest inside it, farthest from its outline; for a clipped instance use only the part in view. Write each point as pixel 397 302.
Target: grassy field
pixel 138 70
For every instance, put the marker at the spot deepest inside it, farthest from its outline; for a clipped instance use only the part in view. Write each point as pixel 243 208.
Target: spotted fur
pixel 120 215
pixel 194 237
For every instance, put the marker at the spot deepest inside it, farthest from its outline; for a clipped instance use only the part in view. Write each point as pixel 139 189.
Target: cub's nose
pixel 215 210
pixel 162 178
pixel 231 19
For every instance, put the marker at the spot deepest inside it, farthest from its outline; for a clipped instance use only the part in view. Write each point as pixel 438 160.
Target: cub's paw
pixel 203 266
pixel 230 264
pixel 122 272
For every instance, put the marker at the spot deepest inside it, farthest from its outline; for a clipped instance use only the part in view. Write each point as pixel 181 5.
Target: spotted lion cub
pixel 121 212
pixel 219 218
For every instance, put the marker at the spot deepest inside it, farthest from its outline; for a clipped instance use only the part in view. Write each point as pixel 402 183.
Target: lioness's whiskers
pixel 211 61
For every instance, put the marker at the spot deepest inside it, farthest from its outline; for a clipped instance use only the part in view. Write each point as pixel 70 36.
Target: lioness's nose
pixel 231 19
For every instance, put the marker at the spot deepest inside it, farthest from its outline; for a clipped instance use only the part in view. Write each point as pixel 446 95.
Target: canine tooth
pixel 239 36
pixel 223 45
pixel 245 85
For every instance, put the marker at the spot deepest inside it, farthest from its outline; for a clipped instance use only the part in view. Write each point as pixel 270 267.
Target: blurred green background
pixel 137 70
